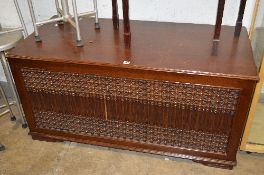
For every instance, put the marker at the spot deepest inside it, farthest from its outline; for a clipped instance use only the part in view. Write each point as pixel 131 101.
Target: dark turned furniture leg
pixel 127 34
pixel 115 15
pixel 218 24
pixel 240 17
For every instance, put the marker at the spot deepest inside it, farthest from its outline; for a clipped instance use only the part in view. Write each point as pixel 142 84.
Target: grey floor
pixel 24 156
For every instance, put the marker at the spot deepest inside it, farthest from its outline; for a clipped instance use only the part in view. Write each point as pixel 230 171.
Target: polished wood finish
pixel 173 97
pixel 107 47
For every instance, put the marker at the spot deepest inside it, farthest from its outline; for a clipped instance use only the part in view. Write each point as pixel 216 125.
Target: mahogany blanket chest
pixel 172 93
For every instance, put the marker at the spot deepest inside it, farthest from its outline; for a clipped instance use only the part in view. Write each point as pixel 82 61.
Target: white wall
pixel 260 15
pixel 186 11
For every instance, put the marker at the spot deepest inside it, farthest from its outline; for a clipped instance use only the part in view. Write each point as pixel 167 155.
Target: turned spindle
pixel 115 15
pixel 127 34
pixel 240 17
pixel 219 17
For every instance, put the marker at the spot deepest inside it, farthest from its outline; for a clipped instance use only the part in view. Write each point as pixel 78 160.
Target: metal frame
pixel 8 105
pixel 64 16
pixel 12 86
pixel 16 35
pixel 23 26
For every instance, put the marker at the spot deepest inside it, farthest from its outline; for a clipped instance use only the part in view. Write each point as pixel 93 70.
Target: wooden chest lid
pixel 171 47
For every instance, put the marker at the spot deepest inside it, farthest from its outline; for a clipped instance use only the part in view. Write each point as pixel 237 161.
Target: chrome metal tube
pixel 33 17
pixel 65 9
pixel 76 19
pixel 4 113
pixel 85 14
pixel 21 18
pixel 49 21
pixel 10 104
pixel 60 11
pixel 11 30
pixel 57 7
pixel 6 103
pixel 72 22
pixel 96 14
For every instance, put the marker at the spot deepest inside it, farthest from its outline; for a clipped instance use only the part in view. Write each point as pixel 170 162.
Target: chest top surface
pixel 184 48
